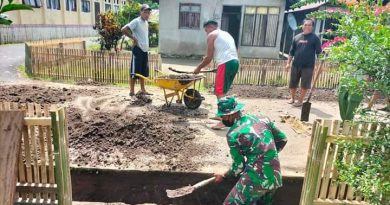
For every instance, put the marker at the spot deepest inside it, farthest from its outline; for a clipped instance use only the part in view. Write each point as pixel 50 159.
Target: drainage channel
pixel 139 187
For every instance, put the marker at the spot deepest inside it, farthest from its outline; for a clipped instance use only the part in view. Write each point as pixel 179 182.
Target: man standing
pixel 221 47
pixel 138 31
pixel 303 53
pixel 254 146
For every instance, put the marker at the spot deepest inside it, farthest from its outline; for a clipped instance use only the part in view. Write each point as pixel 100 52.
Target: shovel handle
pixel 203 183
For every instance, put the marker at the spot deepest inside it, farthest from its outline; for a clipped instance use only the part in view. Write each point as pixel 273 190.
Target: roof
pixel 307 7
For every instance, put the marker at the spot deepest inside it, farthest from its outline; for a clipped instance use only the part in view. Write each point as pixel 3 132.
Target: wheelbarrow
pixel 184 87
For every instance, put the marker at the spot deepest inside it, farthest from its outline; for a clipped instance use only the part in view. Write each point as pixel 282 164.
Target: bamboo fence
pixel 320 186
pixel 43 164
pixel 271 72
pixel 65 64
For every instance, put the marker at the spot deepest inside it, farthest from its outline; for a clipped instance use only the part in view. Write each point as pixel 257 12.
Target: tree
pixel 360 47
pixel 4 20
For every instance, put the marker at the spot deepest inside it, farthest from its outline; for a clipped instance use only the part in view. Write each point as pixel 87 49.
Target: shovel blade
pixel 305 111
pixel 179 192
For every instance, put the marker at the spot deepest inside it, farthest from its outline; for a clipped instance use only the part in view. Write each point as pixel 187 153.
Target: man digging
pixel 254 145
pixel 221 47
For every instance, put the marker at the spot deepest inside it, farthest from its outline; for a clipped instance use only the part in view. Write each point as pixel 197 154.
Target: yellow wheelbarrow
pixel 184 87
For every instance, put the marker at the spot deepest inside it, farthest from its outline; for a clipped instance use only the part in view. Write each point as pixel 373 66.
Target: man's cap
pixel 145 7
pixel 228 106
pixel 210 22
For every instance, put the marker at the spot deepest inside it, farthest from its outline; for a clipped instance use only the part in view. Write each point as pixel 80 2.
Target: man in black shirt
pixel 302 54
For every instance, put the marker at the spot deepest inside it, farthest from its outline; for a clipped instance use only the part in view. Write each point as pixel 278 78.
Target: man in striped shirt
pixel 221 47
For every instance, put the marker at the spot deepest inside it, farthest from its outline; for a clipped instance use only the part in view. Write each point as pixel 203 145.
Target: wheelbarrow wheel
pixel 192 99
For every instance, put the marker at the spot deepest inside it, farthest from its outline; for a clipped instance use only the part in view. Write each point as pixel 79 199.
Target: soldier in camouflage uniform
pixel 254 145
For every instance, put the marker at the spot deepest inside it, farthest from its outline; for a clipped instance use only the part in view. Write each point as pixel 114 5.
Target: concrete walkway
pixel 11 57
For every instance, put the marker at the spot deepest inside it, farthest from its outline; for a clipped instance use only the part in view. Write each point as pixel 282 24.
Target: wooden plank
pixel 11 123
pixel 338 202
pixel 27 152
pixel 65 157
pixel 36 188
pixel 20 201
pixel 34 152
pixel 38 121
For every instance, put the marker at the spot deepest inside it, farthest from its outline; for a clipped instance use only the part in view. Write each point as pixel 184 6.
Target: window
pixel 189 16
pixel 53 4
pixel 116 8
pixel 107 7
pixel 33 3
pixel 85 6
pixel 71 5
pixel 260 26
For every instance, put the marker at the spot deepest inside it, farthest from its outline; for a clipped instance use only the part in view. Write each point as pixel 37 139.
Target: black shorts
pixel 139 63
pixel 303 74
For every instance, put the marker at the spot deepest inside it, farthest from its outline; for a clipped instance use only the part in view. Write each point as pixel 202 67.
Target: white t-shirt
pixel 140 30
pixel 224 47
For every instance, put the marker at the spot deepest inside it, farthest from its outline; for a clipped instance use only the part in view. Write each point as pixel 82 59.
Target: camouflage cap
pixel 228 106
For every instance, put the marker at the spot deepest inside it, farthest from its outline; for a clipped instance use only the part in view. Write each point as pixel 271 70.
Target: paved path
pixel 11 57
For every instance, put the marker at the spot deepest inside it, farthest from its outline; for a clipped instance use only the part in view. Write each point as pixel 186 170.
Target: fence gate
pixel 43 164
pixel 320 186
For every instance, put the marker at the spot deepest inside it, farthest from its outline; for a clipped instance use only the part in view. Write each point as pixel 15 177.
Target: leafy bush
pixel 4 20
pixel 109 30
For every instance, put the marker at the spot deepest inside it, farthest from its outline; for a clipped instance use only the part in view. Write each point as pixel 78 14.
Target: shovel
pixel 188 189
pixel 306 106
pixel 189 72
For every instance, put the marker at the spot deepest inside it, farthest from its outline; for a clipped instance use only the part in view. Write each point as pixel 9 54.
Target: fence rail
pixel 33 32
pixel 66 64
pixel 272 72
pixel 320 186
pixel 43 166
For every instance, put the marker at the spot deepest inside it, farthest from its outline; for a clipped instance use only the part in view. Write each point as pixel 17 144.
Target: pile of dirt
pixel 253 91
pixel 96 140
pixel 42 95
pixel 108 131
pixel 90 82
pixel 140 99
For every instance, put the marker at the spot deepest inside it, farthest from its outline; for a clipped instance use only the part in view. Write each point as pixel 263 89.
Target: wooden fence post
pixel 11 123
pixel 27 60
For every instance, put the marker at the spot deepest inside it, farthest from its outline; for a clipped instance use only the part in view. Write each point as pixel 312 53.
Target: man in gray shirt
pixel 138 31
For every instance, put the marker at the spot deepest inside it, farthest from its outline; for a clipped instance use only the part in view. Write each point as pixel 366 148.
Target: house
pixel 55 19
pixel 256 25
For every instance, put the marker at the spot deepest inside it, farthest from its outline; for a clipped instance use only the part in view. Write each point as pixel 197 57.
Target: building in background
pixel 55 19
pixel 256 25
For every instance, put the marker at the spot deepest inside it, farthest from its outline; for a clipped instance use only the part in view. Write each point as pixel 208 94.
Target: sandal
pixel 298 104
pixel 146 93
pixel 291 101
pixel 219 126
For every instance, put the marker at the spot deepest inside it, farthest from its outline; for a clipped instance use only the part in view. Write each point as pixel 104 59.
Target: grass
pixel 22 71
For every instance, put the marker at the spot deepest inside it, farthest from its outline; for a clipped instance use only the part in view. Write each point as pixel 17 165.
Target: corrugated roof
pixel 307 7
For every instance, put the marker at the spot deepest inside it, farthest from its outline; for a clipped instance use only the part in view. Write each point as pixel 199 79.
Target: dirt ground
pixel 109 129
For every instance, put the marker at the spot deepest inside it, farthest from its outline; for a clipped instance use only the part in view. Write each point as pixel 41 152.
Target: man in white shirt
pixel 221 47
pixel 138 31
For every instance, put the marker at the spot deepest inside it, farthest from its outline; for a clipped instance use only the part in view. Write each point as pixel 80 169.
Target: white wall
pixel 184 42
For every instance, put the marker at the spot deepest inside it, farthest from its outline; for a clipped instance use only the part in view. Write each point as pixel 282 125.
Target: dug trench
pixel 149 187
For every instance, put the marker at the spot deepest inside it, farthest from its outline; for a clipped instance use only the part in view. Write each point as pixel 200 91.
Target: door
pixel 97 10
pixel 231 20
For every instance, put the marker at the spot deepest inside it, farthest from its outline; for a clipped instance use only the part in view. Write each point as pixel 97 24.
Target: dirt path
pixel 11 57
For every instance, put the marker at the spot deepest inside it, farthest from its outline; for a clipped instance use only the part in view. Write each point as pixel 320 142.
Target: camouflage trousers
pixel 244 193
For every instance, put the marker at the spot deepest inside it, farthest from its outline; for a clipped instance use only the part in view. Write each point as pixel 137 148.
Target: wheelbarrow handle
pixel 189 72
pixel 143 77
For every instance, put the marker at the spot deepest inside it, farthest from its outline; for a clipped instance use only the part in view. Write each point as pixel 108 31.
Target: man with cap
pixel 254 144
pixel 138 31
pixel 221 47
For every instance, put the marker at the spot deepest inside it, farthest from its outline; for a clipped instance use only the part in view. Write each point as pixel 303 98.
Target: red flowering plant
pixel 109 30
